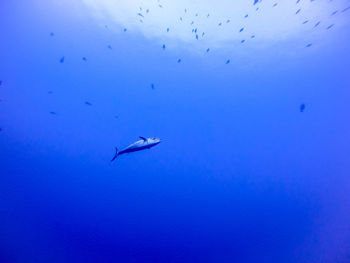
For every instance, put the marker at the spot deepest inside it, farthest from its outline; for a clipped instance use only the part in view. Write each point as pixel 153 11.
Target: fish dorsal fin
pixel 143 138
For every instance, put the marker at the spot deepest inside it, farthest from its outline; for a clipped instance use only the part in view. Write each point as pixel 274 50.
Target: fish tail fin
pixel 116 154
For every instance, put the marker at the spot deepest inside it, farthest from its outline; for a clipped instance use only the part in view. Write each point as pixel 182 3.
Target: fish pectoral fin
pixel 143 138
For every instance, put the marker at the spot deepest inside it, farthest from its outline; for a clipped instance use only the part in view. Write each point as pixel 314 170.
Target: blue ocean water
pixel 253 115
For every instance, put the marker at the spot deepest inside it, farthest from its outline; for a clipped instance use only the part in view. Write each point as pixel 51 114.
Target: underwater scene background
pixel 250 100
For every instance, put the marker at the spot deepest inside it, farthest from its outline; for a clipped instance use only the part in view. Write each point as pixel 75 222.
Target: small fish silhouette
pixel 62 60
pixel 346 9
pixel 334 13
pixel 228 61
pixel 302 107
pixel 88 103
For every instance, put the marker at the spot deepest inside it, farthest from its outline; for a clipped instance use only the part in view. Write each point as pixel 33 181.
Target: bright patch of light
pixel 207 23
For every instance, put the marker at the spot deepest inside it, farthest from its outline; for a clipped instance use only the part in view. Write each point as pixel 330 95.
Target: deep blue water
pixel 241 174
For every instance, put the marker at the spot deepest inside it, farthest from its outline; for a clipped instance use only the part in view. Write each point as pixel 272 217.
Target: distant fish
pixel 196 36
pixel 228 21
pixel 0 82
pixel 147 11
pixel 84 58
pixel 52 34
pixel 62 60
pixel 50 92
pixel 179 60
pixel 329 27
pixel 192 23
pixel 208 49
pixel 53 113
pixel 152 86
pixel 317 23
pixel 208 15
pixel 241 29
pixel 253 36
pixel 246 16
pixel 180 18
pixel 275 4
pixel 297 12
pixel 0 129
pixel 255 2
pixel 88 103
pixel 139 14
pixel 334 13
pixel 163 47
pixel 346 9
pixel 309 45
pixel 242 41
pixel 160 6
pixel 167 30
pixel 305 22
pixel 185 10
pixel 195 30
pixel 124 29
pixel 297 1
pixel 220 24
pixel 203 34
pixel 109 46
pixel 116 116
pixel 302 107
pixel 228 61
